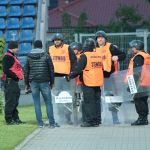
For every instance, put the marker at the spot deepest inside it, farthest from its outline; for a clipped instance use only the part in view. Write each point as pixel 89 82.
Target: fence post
pixel 145 40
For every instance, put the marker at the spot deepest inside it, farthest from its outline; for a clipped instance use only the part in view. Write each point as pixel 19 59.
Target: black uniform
pixel 141 103
pixel 12 91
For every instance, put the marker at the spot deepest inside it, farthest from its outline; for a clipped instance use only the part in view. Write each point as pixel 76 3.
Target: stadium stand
pixel 27 23
pixel 3 2
pixel 12 35
pixel 13 23
pixel 14 11
pixel 2 23
pixel 15 2
pixel 25 48
pixel 29 10
pixel 26 36
pixel 3 11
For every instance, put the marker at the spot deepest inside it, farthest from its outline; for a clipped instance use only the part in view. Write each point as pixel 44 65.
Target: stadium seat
pixel 3 11
pixel 13 23
pixel 14 11
pixel 1 33
pixel 22 60
pixel 30 2
pixel 3 2
pixel 15 2
pixel 5 48
pixel 2 23
pixel 25 48
pixel 26 36
pixel 12 35
pixel 27 23
pixel 29 10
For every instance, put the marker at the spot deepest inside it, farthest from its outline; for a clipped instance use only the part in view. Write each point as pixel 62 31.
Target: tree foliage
pixel 66 20
pixel 82 21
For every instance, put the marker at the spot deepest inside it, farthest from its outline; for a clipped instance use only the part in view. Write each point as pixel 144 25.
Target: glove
pixel 128 89
pixel 51 85
pixel 27 89
pixel 67 78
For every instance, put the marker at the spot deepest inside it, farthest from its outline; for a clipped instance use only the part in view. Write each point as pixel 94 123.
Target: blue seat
pixel 30 2
pixel 22 60
pixel 12 35
pixel 3 11
pixel 1 33
pixel 2 23
pixel 25 48
pixel 29 10
pixel 14 11
pixel 15 2
pixel 27 23
pixel 26 36
pixel 3 2
pixel 13 23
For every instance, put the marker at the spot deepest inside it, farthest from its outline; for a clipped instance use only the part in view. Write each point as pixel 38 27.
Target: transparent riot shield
pixel 65 101
pixel 118 96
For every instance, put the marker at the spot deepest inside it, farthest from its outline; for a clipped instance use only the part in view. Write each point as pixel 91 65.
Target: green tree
pixel 82 22
pixel 127 17
pixel 66 20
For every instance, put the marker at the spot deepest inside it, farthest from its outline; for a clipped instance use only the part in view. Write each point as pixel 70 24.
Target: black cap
pixel 38 44
pixel 12 45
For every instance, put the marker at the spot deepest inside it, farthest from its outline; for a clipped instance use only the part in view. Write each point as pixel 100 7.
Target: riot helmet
pixel 89 45
pixel 58 36
pixel 138 44
pixel 76 46
pixel 100 34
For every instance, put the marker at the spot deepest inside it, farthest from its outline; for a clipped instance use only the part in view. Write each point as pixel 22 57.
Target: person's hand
pixel 67 78
pixel 27 89
pixel 51 85
pixel 115 58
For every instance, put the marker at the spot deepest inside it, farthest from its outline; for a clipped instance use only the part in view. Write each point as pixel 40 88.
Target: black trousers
pixel 12 94
pixel 141 106
pixel 91 106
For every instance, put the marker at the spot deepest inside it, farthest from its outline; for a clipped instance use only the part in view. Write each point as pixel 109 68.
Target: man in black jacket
pixel 13 72
pixel 39 74
pixel 141 77
pixel 103 45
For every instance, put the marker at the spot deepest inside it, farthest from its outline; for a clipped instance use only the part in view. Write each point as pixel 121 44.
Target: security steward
pixel 140 60
pixel 90 65
pixel 111 56
pixel 63 60
pixel 13 72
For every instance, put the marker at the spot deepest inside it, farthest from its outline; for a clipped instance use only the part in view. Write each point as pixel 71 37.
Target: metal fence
pixel 122 41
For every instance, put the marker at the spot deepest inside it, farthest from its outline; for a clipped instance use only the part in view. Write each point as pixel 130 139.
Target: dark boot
pixel 140 121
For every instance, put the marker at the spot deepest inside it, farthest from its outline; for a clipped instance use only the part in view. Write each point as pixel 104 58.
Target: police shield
pixel 65 101
pixel 119 92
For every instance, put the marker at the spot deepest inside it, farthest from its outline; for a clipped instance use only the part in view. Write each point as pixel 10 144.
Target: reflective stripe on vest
pixel 145 73
pixel 16 68
pixel 60 58
pixel 93 73
pixel 106 56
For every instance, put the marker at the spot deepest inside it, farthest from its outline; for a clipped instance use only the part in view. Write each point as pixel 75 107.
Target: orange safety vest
pixel 16 68
pixel 116 66
pixel 93 73
pixel 77 79
pixel 60 59
pixel 145 73
pixel 105 53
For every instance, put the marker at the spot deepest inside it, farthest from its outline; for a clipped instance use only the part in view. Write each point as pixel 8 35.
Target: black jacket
pixel 39 68
pixel 83 60
pixel 7 63
pixel 114 52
